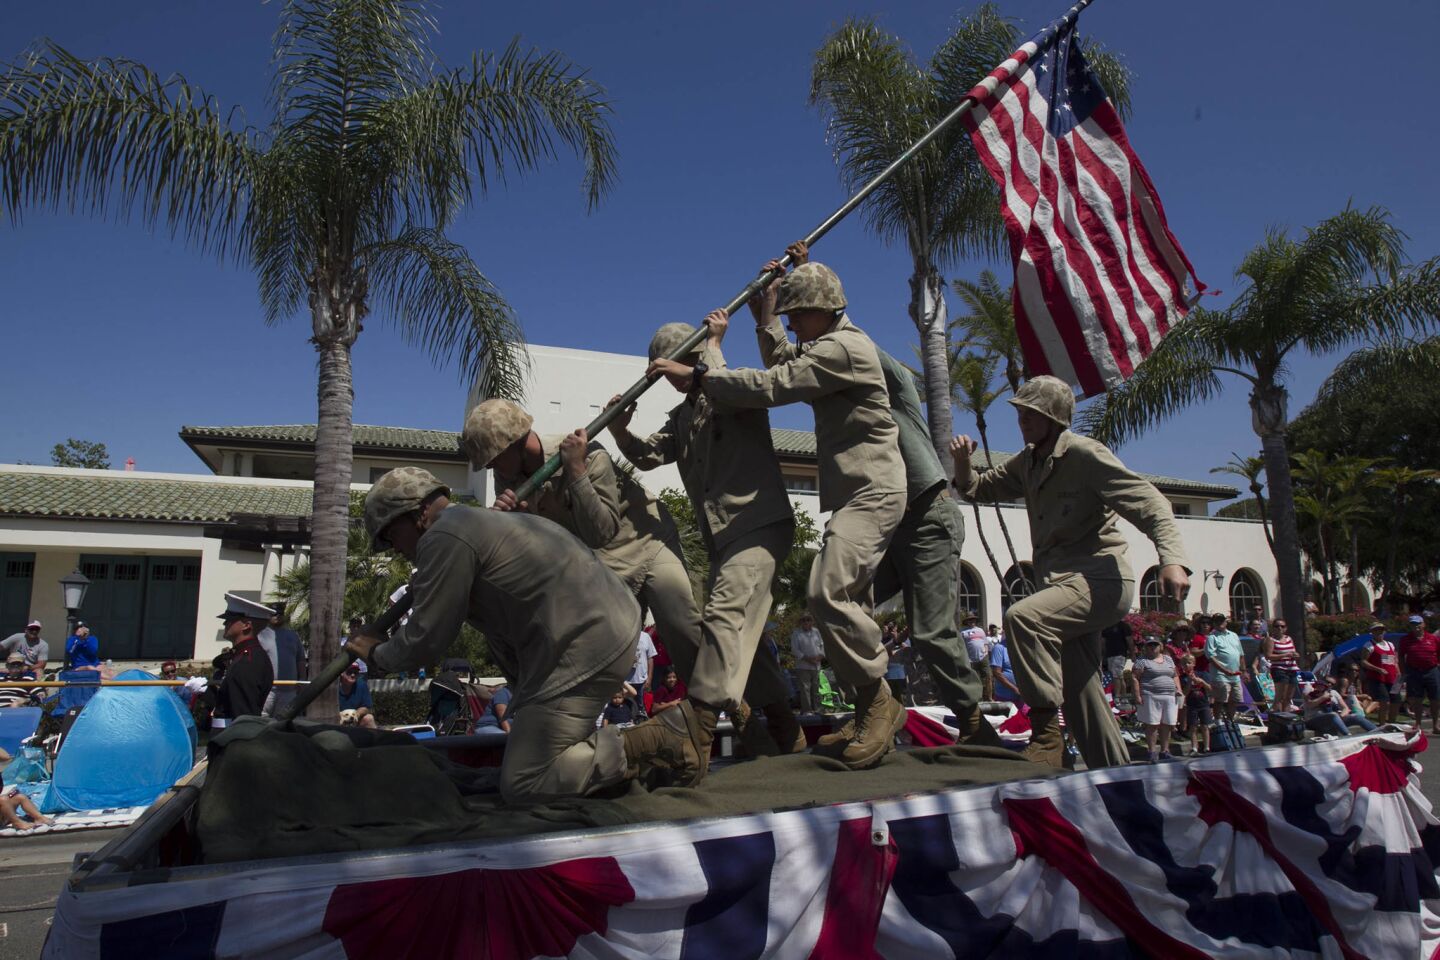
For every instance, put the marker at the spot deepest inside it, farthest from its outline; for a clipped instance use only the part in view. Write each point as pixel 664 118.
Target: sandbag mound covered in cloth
pixel 128 746
pixel 332 789
pixel 1318 850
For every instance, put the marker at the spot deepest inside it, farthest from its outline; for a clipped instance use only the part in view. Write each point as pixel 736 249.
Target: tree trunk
pixel 1000 514
pixel 1391 551
pixel 927 310
pixel 1259 493
pixel 1268 416
pixel 990 554
pixel 336 309
pixel 1354 569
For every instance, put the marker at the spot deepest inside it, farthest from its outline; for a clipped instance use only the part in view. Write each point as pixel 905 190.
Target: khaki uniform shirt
pixel 726 459
pixel 1073 497
pixel 553 615
pixel 607 508
pixel 839 375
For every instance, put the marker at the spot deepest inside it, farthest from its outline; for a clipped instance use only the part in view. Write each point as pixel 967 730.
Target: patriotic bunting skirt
pixel 1322 850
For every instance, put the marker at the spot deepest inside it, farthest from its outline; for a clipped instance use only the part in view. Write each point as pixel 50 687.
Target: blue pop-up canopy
pixel 125 748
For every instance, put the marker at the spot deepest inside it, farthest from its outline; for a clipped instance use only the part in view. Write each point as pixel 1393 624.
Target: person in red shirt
pixel 1420 655
pixel 668 692
pixel 1381 663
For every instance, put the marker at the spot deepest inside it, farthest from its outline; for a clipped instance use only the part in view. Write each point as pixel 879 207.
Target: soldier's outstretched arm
pixel 650 452
pixel 824 369
pixel 1136 499
pixel 441 600
pixel 1004 482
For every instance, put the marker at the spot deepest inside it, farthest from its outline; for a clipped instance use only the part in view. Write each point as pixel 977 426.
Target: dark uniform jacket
pixel 247 682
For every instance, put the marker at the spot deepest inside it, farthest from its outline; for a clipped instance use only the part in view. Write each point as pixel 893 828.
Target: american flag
pixel 1326 850
pixel 1099 277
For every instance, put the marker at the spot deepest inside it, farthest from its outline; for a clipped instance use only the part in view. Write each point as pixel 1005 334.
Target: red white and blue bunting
pixel 1324 850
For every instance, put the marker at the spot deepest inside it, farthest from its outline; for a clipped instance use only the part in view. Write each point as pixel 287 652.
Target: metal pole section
pixel 764 278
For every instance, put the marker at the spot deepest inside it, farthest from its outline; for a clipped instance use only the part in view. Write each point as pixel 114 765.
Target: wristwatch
pixel 696 372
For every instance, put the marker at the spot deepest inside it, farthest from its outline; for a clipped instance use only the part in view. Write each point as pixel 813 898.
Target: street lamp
pixel 73 587
pixel 1215 575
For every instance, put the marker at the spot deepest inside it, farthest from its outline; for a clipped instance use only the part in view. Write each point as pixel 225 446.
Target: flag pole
pixel 765 277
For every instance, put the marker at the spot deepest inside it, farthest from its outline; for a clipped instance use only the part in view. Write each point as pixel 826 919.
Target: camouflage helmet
pixel 669 338
pixel 1048 396
pixel 395 494
pixel 491 427
pixel 810 286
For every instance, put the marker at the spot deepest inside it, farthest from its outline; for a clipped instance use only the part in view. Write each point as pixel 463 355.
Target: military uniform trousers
pixel 924 562
pixel 554 749
pixel 663 588
pixel 1054 641
pixel 725 666
pixel 841 578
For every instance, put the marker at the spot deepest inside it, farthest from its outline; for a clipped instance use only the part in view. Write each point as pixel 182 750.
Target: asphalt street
pixel 33 871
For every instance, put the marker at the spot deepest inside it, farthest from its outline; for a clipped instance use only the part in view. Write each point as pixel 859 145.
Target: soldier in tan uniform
pixel 608 509
pixel 561 626
pixel 728 465
pixel 835 369
pixel 1074 490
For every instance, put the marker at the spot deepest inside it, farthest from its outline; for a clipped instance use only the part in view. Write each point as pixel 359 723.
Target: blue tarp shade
pixel 1355 643
pixel 125 748
pixel 78 696
pixel 17 723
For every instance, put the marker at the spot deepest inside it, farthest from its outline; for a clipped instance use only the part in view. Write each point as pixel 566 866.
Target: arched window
pixel 1150 595
pixel 1021 581
pixel 1245 593
pixel 971 598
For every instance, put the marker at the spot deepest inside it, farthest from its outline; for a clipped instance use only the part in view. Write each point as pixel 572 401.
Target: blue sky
pixel 1248 115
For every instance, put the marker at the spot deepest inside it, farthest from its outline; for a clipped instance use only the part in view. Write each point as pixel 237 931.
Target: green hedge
pixel 1324 632
pixel 395 708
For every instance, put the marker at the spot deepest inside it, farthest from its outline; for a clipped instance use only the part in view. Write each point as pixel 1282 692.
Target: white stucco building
pixel 161 550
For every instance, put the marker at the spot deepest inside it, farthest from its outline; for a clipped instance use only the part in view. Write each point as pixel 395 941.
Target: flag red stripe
pixel 1165 266
pixel 1040 830
pixel 1219 803
pixel 1133 276
pixel 1065 321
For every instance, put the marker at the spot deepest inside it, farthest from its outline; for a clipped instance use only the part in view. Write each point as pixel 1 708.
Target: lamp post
pixel 73 587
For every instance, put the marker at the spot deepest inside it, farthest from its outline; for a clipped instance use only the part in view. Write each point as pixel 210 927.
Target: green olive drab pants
pixel 554 749
pixel 924 562
pixel 841 579
pixel 725 667
pixel 1054 640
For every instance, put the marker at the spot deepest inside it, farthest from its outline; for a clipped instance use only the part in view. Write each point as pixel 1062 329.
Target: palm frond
pixel 1405 304
pixel 113 137
pixel 1180 371
pixel 450 138
pixel 438 299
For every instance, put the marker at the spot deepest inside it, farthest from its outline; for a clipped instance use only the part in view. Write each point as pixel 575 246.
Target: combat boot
pixel 878 717
pixel 784 728
pixel 1047 746
pixel 754 733
pixel 672 749
pixel 975 730
pixel 831 744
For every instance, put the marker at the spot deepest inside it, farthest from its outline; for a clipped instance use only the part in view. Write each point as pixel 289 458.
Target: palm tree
pixel 1332 493
pixel 971 376
pixel 942 205
pixel 1250 469
pixel 1339 284
pixel 339 205
pixel 1401 481
pixel 989 326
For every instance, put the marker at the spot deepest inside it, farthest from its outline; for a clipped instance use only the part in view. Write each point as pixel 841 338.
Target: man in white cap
pixel 35 650
pixel 248 675
pixel 561 626
pixel 1075 490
